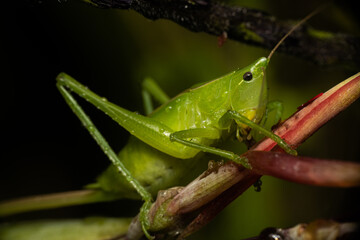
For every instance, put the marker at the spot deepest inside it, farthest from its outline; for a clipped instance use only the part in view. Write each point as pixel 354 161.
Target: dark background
pixel 46 150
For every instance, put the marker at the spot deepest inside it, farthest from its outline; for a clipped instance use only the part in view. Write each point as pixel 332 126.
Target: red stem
pixel 294 131
pixel 305 170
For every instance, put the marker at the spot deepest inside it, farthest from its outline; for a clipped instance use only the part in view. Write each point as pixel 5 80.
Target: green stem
pixel 55 200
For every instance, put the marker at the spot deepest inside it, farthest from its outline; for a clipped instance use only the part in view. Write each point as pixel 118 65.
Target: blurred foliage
pixel 111 51
pixel 95 228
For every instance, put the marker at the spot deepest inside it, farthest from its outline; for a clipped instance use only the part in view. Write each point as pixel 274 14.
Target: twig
pixel 247 25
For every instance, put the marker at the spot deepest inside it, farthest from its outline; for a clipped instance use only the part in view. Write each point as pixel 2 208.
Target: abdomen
pixel 153 169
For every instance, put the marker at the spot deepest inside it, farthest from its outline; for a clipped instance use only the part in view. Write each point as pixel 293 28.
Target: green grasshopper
pixel 167 142
pixel 181 128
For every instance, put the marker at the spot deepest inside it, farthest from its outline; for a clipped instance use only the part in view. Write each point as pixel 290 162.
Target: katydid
pixel 204 114
pixel 170 140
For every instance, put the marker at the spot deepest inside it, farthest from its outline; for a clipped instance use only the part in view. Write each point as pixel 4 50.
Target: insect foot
pixel 175 208
pixel 158 220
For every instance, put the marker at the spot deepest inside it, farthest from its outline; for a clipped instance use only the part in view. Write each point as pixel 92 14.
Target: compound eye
pixel 247 76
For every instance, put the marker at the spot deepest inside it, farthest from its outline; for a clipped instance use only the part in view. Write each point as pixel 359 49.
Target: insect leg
pixel 147 102
pixel 276 106
pixel 237 116
pixel 95 133
pixel 211 133
pixel 151 88
pixel 148 130
pixel 272 117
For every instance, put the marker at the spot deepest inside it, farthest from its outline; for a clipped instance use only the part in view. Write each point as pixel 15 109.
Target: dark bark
pixel 250 26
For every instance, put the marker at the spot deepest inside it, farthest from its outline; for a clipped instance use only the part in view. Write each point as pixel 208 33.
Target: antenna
pixel 310 15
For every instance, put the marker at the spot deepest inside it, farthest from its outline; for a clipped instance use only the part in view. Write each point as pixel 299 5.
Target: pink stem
pixel 305 170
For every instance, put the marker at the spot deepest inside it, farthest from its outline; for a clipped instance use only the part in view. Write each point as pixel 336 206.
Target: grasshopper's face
pixel 249 90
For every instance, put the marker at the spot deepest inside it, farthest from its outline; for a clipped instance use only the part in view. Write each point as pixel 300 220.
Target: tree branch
pixel 246 25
